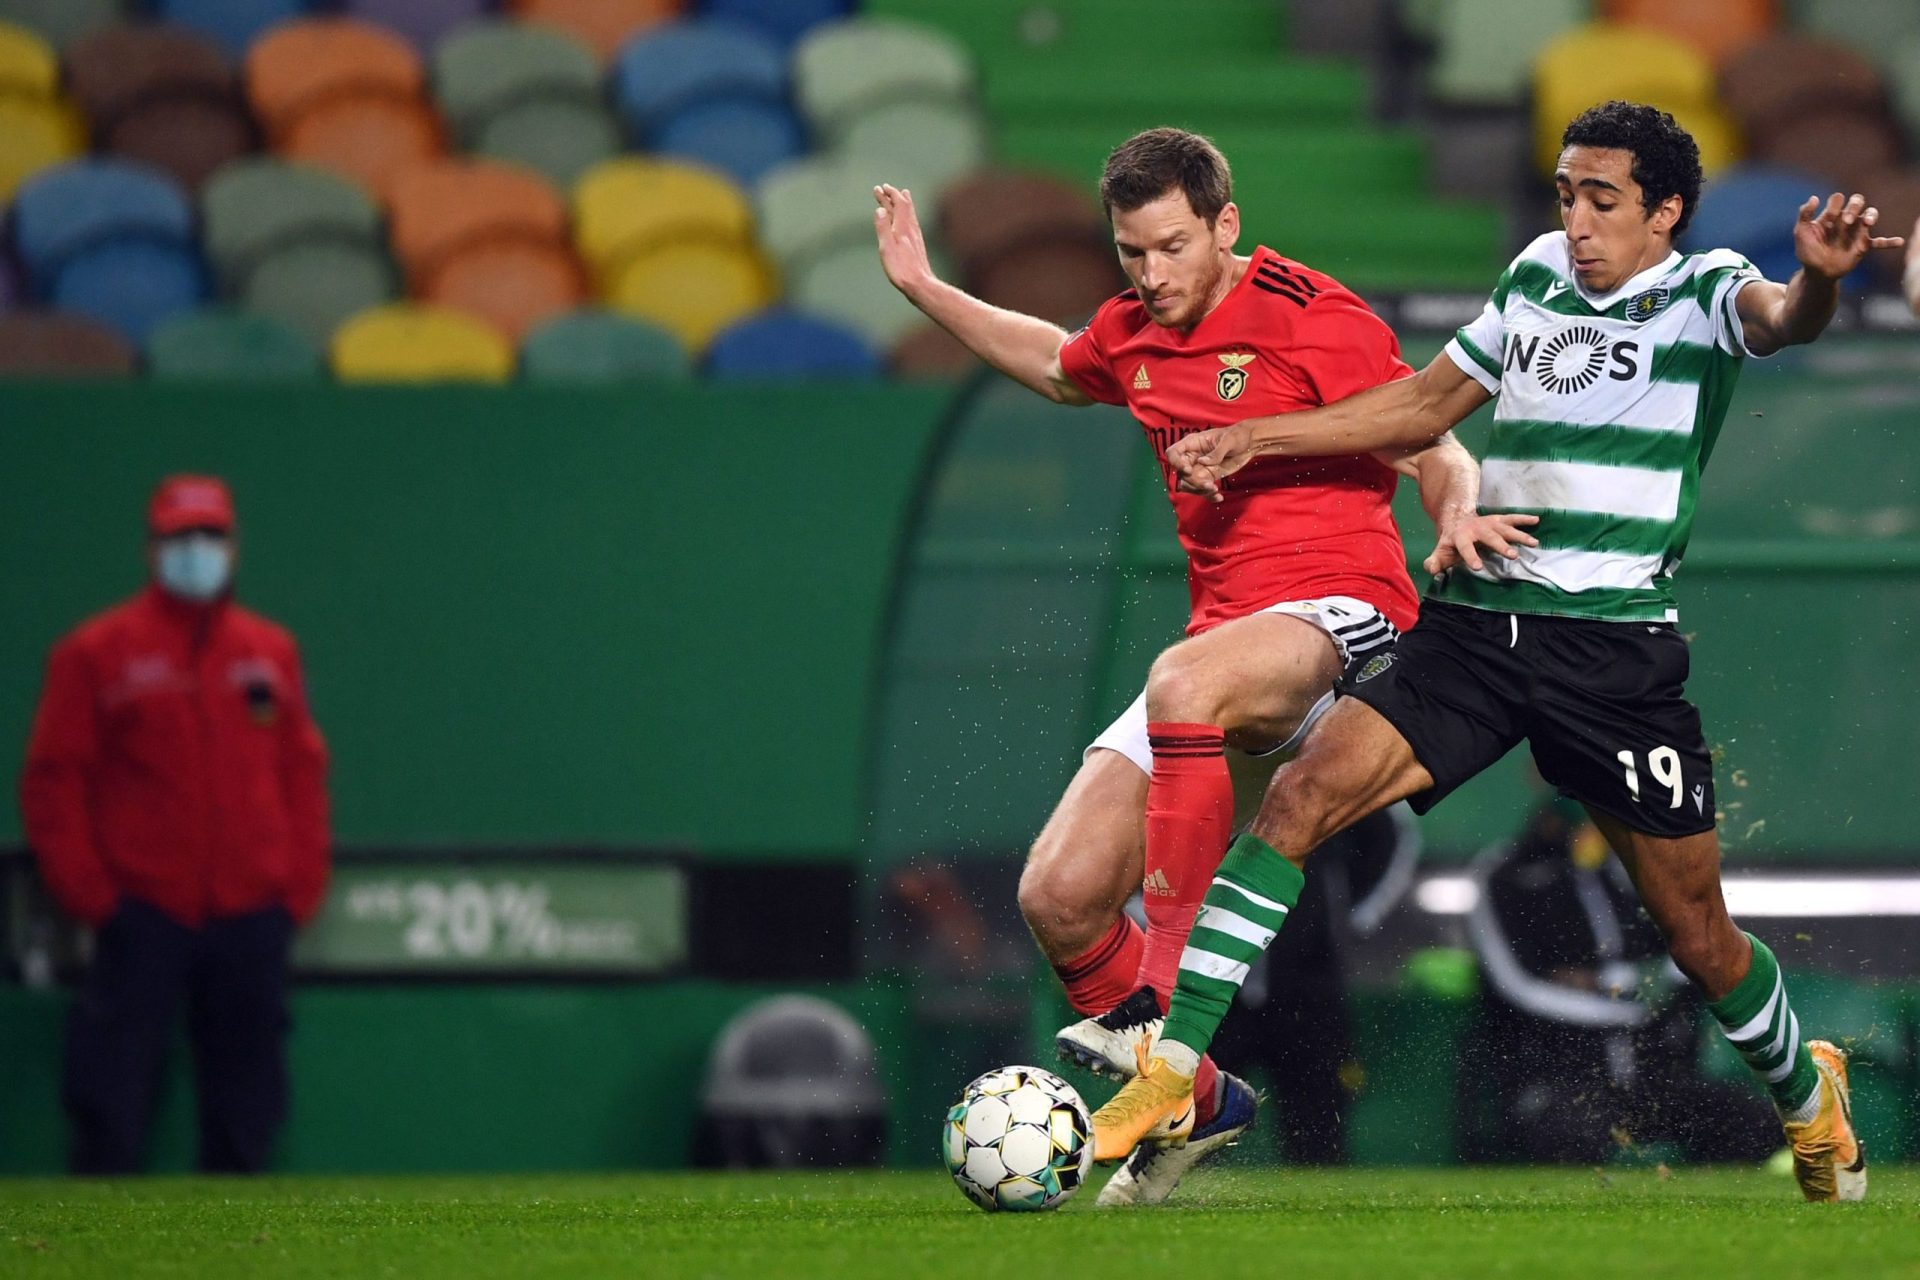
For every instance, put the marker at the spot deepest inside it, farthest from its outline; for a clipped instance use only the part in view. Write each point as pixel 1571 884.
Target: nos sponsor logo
pixel 1569 361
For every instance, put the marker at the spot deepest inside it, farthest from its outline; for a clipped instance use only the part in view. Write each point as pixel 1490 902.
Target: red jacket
pixel 173 759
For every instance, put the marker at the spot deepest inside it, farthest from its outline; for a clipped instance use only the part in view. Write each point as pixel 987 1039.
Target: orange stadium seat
pixel 514 285
pixel 604 24
pixel 1717 28
pixel 413 342
pixel 629 204
pixel 1592 64
pixel 440 207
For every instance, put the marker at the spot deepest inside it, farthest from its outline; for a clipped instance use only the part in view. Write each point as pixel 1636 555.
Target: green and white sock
pixel 1757 1020
pixel 1243 910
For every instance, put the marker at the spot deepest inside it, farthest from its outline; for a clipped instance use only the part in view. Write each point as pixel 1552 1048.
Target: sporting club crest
pixel 1378 663
pixel 1647 305
pixel 1233 378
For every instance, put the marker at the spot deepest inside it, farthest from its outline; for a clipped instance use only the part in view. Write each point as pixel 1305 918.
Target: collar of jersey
pixel 1601 302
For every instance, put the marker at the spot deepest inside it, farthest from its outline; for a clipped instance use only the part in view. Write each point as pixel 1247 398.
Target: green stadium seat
pixel 1485 48
pixel 314 286
pixel 256 207
pixel 229 345
pixel 817 202
pixel 62 22
pixel 845 283
pixel 1224 85
pixel 563 140
pixel 1107 32
pixel 942 141
pixel 598 346
pixel 1873 27
pixel 1903 76
pixel 488 67
pixel 844 69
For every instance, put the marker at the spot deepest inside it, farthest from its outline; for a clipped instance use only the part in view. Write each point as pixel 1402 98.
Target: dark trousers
pixel 230 977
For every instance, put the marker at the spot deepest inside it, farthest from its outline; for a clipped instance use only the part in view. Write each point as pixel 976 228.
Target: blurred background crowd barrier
pixel 692 625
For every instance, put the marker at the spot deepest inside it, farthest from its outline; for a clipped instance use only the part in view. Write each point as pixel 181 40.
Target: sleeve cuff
pixel 1470 364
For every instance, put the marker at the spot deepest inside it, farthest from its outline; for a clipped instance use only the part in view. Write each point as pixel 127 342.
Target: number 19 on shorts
pixel 1663 766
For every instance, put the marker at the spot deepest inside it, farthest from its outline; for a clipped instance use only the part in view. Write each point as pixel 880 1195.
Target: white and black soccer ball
pixel 1019 1138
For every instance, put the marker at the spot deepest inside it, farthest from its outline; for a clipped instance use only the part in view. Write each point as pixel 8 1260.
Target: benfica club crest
pixel 1233 378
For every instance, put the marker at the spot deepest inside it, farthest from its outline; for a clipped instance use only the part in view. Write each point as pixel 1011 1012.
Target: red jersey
pixel 1284 338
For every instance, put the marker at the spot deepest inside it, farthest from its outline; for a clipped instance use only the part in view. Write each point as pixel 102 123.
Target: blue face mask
pixel 195 566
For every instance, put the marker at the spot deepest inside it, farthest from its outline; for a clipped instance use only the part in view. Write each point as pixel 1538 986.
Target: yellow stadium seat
pixel 28 65
pixel 625 206
pixel 1602 61
pixel 35 133
pixel 691 288
pixel 415 342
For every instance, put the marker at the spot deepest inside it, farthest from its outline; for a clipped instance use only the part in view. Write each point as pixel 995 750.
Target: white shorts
pixel 1356 629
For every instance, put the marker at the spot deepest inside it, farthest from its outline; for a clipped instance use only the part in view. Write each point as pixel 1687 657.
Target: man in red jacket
pixel 175 796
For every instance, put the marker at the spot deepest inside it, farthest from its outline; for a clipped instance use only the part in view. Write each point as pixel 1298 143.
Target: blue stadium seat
pixel 784 20
pixel 669 67
pixel 130 285
pixel 65 210
pixel 741 137
pixel 1750 209
pixel 777 343
pixel 234 23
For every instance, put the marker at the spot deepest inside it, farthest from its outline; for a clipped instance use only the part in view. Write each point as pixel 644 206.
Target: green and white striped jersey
pixel 1607 410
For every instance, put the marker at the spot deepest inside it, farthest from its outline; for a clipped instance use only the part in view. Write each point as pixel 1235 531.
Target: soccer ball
pixel 1020 1139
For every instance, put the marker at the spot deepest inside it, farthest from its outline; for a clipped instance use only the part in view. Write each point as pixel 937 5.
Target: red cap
pixel 190 502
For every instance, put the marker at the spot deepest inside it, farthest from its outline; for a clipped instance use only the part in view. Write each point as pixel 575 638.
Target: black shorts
pixel 1601 704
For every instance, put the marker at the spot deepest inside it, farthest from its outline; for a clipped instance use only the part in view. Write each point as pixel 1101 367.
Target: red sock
pixel 1104 975
pixel 1189 822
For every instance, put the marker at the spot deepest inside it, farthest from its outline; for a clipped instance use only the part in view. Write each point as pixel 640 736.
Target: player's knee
pixel 1297 813
pixel 1063 915
pixel 1179 687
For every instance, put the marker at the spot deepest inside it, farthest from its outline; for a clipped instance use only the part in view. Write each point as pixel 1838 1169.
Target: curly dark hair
pixel 1151 164
pixel 1666 159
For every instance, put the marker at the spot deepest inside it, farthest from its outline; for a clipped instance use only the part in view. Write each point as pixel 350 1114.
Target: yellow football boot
pixel 1829 1161
pixel 1155 1106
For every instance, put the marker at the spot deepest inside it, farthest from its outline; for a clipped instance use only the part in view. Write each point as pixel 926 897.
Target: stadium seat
pixel 1064 280
pixel 846 284
pixel 1903 62
pixel 784 20
pixel 35 134
pixel 225 344
pixel 130 284
pixel 777 343
pixel 165 95
pixel 236 24
pixel 929 351
pixel 603 24
pixel 691 288
pixel 1593 64
pixel 344 95
pixel 942 140
pixel 439 208
pixel 252 208
pixel 423 22
pixel 844 69
pixel 631 203
pixel 61 22
pixel 1870 27
pixel 527 94
pixel 313 286
pixel 1750 209
pixel 412 342
pixel 1717 28
pixel 53 344
pixel 819 202
pixel 1896 193
pixel 598 346
pixel 513 285
pixel 1484 49
pixel 1786 74
pixel 995 210
pixel 1841 145
pixel 65 211
pixel 744 138
pixel 29 67
pixel 667 68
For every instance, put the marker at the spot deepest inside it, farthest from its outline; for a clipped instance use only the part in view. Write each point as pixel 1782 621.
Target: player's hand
pixel 1202 460
pixel 1503 535
pixel 903 247
pixel 1831 241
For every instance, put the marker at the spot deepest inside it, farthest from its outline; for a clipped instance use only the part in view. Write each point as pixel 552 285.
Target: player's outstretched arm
pixel 1407 414
pixel 1449 481
pixel 1024 348
pixel 1829 242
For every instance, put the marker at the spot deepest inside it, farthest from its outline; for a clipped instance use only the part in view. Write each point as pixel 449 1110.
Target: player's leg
pixel 1251 682
pixel 1611 726
pixel 1679 883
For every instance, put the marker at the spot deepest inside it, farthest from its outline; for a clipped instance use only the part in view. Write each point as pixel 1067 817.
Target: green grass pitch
pixel 1375 1224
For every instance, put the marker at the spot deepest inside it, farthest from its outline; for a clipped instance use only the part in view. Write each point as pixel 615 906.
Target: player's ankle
pixel 1184 1059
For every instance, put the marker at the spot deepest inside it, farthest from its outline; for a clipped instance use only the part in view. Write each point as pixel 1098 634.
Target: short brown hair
pixel 1149 165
